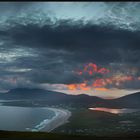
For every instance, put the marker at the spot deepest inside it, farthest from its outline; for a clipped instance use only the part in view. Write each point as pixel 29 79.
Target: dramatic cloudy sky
pixel 72 47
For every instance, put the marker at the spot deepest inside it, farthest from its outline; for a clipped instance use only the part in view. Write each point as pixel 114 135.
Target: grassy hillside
pixel 88 122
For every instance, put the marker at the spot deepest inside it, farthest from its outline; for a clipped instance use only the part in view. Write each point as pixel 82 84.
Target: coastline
pixel 61 117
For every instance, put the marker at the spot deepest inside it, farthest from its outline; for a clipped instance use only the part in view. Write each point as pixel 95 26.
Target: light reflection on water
pixel 115 111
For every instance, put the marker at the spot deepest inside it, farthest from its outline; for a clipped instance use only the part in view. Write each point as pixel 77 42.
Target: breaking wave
pixel 44 123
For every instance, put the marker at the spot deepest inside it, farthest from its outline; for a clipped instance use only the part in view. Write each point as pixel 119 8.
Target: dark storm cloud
pixel 131 85
pixel 54 77
pixel 88 42
pixel 61 47
pixel 66 45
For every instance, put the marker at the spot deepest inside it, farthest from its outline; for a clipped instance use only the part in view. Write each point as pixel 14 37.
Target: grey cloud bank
pixel 46 42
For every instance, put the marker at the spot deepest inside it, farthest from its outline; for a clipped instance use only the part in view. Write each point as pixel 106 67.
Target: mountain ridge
pixel 53 98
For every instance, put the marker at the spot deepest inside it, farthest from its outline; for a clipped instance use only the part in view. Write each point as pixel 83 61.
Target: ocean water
pixel 24 118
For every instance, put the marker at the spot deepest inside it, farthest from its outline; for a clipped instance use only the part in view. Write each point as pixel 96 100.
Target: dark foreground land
pixel 92 124
pixel 88 122
pixel 45 135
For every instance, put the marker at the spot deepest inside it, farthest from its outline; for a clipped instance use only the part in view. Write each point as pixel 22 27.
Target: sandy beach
pixel 61 117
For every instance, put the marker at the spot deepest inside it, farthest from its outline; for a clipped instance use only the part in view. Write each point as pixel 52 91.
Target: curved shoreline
pixel 61 117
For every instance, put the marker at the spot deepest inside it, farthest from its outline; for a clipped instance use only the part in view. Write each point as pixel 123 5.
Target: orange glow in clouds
pixel 72 86
pixel 81 86
pixel 99 83
pixel 90 68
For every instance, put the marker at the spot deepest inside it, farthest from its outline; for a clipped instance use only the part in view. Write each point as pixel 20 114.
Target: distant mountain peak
pixel 136 94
